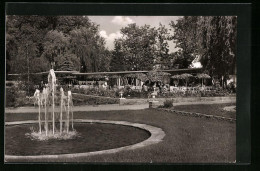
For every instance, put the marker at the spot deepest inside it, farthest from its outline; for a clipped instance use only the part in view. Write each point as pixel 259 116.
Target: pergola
pixel 141 75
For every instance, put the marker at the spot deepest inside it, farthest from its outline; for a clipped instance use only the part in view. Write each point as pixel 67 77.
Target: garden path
pixel 109 107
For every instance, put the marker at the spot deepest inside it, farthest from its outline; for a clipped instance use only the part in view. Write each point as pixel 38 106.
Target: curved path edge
pixel 157 135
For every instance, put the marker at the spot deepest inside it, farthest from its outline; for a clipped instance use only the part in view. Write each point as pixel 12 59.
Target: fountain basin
pixel 95 137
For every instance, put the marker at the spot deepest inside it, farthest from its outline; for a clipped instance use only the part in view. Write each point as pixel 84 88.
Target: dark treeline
pixel 74 43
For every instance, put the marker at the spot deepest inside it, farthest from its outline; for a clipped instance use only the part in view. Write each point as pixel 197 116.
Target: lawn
pixel 210 109
pixel 188 139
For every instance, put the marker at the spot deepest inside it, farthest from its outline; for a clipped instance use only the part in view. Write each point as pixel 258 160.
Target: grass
pixel 210 109
pixel 188 139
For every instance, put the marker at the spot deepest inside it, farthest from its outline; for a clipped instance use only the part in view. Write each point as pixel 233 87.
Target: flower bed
pixel 79 99
pixel 129 93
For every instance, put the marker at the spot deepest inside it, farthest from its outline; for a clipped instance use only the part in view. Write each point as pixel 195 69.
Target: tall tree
pixel 138 45
pixel 54 38
pixel 117 60
pixel 163 58
pixel 218 40
pixel 24 38
pixel 55 44
pixel 185 38
pixel 211 37
pixel 88 45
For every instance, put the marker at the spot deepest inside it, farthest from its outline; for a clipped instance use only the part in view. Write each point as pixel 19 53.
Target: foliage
pixel 15 97
pixel 162 55
pixel 67 62
pixel 88 46
pixel 10 95
pixel 213 38
pixel 95 92
pixel 140 48
pixel 90 100
pixel 117 58
pixel 168 103
pixel 72 42
pixel 219 40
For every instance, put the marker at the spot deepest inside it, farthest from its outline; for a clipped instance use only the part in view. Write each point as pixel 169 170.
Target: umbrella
pixel 185 77
pixel 176 77
pixel 142 76
pixel 202 77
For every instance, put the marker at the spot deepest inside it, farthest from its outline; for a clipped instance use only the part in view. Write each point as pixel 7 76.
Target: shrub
pixel 10 97
pixel 168 103
pixel 88 100
pixel 15 97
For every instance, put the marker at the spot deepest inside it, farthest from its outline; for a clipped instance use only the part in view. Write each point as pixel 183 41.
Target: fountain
pixel 47 100
pixel 55 136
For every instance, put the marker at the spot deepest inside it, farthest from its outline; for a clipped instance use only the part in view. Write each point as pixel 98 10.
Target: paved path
pixel 109 107
pixel 204 102
pixel 81 108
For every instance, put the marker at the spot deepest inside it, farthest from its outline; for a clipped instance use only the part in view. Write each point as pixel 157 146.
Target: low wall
pixel 178 100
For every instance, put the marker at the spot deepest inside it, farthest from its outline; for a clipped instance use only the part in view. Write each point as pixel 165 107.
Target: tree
pixel 185 36
pixel 24 38
pixel 211 37
pixel 218 40
pixel 104 60
pixel 88 45
pixel 179 60
pixel 138 45
pixel 66 24
pixel 67 62
pixel 163 57
pixel 55 44
pixel 117 60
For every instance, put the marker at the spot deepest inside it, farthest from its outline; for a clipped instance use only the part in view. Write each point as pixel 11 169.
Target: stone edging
pixel 196 114
pixel 157 134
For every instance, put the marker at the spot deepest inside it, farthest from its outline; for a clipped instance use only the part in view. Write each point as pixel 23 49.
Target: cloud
pixel 122 20
pixel 110 38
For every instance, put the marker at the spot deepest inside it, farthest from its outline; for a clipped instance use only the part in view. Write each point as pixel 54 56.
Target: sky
pixel 110 26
